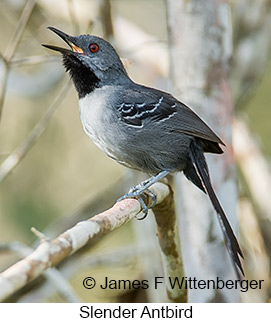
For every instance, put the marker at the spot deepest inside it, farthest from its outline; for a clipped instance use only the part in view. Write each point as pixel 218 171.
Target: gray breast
pixel 100 122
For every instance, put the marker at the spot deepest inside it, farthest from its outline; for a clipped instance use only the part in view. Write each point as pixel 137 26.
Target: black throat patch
pixel 83 78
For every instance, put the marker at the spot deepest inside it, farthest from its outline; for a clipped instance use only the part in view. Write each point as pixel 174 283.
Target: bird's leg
pixel 138 190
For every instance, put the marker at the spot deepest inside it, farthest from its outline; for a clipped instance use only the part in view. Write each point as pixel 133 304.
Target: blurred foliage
pixel 63 169
pixel 258 111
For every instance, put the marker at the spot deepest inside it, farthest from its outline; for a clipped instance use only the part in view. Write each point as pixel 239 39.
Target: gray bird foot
pixel 137 192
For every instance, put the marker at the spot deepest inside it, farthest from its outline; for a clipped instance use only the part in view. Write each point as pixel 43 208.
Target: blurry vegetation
pixel 63 169
pixel 258 111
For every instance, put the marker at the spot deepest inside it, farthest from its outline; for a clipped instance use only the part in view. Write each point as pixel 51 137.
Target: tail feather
pixel 201 168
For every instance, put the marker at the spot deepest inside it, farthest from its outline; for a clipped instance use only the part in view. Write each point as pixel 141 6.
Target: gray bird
pixel 141 127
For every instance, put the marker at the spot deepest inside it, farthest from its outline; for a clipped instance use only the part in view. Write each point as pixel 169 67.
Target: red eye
pixel 93 48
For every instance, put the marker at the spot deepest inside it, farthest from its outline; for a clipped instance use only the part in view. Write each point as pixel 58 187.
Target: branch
pixel 33 60
pixel 250 36
pixel 95 204
pixel 200 51
pixel 73 18
pixel 15 39
pixel 106 19
pixel 54 277
pixel 50 253
pixel 256 172
pixel 12 46
pixel 3 86
pixel 14 158
pixel 254 167
pixel 123 256
pixel 169 240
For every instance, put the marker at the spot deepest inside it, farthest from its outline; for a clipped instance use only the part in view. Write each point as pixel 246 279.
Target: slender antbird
pixel 141 127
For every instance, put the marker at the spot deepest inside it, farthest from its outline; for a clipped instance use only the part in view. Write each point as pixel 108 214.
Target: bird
pixel 140 127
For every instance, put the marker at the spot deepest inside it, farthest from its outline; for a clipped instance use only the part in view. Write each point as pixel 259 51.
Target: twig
pixel 3 84
pixel 72 14
pixel 168 236
pixel 11 48
pixel 16 246
pixel 256 172
pixel 254 167
pixel 32 60
pixel 14 158
pixel 106 19
pixel 257 250
pixel 54 277
pixel 124 256
pixel 89 26
pixel 40 235
pixel 95 204
pixel 15 39
pixel 62 286
pixel 50 253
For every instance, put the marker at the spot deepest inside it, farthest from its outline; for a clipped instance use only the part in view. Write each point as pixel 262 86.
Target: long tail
pixel 202 172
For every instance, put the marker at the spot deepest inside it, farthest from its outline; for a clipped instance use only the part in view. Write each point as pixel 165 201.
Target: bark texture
pixel 200 48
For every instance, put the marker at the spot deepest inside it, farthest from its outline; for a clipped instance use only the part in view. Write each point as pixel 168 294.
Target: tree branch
pixel 53 276
pixel 254 167
pixel 73 18
pixel 14 158
pixel 169 240
pixel 200 51
pixel 256 172
pixel 106 18
pixel 50 253
pixel 15 39
pixel 3 85
pixel 12 46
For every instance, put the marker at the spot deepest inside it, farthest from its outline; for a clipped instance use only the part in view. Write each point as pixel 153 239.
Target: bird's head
pixel 90 60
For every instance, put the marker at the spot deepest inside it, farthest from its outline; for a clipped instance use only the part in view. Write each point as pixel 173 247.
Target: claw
pixel 145 208
pixel 137 194
pixel 153 197
pixel 138 191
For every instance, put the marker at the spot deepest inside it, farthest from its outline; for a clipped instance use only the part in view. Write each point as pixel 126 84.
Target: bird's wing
pixel 136 112
pixel 189 122
pixel 138 107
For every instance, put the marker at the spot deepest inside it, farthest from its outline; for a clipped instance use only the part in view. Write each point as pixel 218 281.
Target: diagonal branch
pixel 54 277
pixel 12 46
pixel 3 84
pixel 15 157
pixel 15 39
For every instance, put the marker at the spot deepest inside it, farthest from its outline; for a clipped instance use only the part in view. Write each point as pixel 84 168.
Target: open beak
pixel 68 39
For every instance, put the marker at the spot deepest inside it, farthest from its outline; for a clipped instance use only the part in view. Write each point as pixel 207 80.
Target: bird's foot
pixel 138 192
